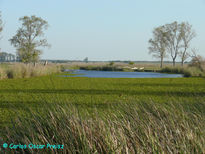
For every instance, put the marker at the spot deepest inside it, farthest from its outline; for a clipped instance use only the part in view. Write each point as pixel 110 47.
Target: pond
pixel 111 74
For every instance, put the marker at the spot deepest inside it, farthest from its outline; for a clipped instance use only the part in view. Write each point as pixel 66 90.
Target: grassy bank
pixel 116 66
pixel 105 115
pixel 186 71
pixel 20 70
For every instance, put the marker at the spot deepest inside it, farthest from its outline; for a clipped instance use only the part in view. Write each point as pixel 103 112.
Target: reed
pixel 186 71
pixel 140 127
pixel 20 70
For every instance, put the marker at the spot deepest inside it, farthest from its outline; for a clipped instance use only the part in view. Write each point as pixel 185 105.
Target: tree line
pixel 7 57
pixel 172 39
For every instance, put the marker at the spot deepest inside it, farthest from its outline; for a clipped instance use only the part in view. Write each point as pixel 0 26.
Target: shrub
pixel 199 62
pixel 131 63
pixel 111 63
pixel 187 74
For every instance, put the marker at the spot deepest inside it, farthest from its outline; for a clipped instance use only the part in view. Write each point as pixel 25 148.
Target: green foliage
pixel 131 63
pixel 27 39
pixel 28 54
pixel 111 63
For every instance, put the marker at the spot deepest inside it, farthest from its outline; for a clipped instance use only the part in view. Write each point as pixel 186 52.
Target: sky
pixel 102 29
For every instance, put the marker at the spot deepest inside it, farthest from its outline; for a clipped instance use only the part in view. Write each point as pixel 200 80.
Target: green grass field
pixel 180 97
pixel 18 94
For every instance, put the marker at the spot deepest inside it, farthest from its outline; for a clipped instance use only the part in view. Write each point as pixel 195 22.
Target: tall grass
pixel 20 70
pixel 144 127
pixel 3 74
pixel 186 71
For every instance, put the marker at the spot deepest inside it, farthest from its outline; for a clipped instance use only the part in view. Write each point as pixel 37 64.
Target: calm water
pixel 109 74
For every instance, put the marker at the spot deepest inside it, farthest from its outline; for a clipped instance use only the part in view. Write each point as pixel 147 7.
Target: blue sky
pixel 102 29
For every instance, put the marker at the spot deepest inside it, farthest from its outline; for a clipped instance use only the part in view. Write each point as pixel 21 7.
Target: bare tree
pixel 1 24
pixel 158 44
pixel 174 38
pixel 187 34
pixel 197 60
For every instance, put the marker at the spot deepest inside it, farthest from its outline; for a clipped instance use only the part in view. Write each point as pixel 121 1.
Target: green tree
pixel 131 63
pixel 29 38
pixel 158 44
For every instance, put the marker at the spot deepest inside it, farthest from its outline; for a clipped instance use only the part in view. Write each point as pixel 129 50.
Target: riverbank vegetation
pixel 187 72
pixel 192 69
pixel 20 70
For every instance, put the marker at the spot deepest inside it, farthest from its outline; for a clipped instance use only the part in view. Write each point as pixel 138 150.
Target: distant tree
pixel 86 60
pixel 6 57
pixel 187 34
pixel 111 63
pixel 28 39
pixel 1 26
pixel 131 63
pixel 158 44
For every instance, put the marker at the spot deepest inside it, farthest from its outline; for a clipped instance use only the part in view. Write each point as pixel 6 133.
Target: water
pixel 110 74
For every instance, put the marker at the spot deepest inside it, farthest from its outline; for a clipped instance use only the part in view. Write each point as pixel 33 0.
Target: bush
pixel 111 63
pixel 131 63
pixel 199 62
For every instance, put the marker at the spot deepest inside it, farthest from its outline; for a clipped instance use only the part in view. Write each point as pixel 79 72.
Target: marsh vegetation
pixel 105 115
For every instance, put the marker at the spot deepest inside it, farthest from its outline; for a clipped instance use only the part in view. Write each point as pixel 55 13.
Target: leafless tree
pixel 187 34
pixel 158 44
